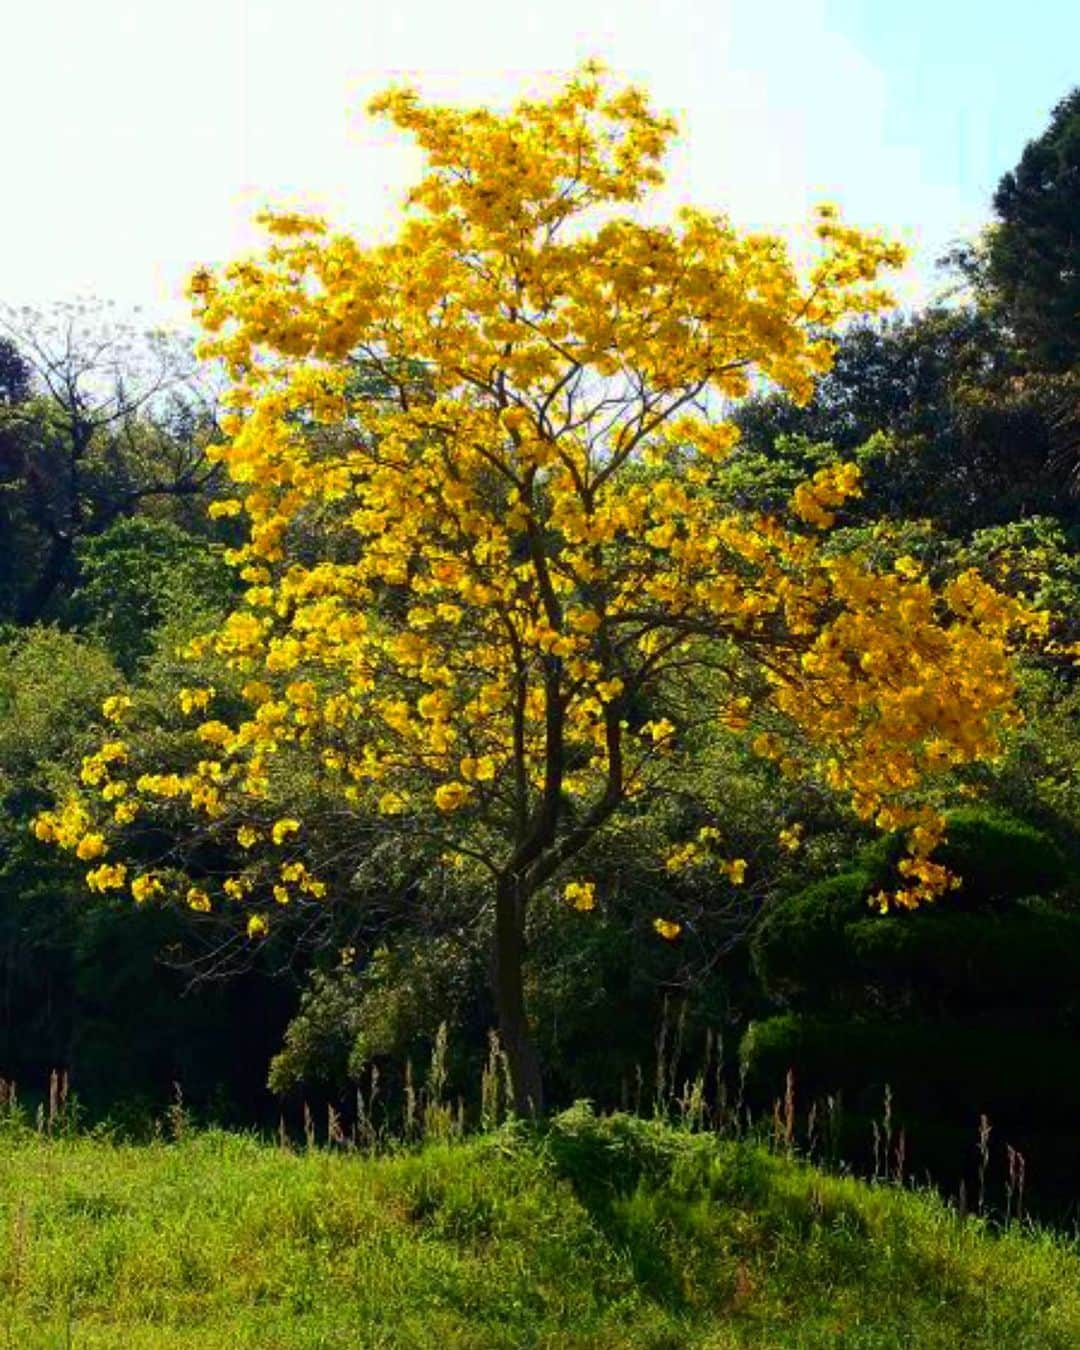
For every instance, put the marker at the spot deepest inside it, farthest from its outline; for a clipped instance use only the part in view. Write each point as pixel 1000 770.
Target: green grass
pixel 601 1233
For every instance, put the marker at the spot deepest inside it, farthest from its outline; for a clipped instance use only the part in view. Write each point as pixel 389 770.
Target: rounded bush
pixel 1020 959
pixel 798 949
pixel 997 857
pixel 935 1067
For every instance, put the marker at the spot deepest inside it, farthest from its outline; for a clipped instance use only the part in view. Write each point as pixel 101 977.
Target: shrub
pixel 799 950
pixel 937 1067
pixel 998 858
pixel 1022 959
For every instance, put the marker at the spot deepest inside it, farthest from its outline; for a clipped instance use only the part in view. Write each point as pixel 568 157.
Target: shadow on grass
pixel 646 1187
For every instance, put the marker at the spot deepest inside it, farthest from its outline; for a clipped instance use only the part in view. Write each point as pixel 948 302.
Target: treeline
pixel 965 422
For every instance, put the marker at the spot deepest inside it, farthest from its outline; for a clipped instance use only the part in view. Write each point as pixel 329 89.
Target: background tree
pixel 118 423
pixel 970 440
pixel 1031 263
pixel 14 374
pixel 1025 273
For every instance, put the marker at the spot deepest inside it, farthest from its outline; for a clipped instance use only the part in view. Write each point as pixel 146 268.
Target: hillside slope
pixel 604 1233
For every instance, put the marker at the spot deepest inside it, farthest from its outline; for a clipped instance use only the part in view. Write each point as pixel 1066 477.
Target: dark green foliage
pixel 136 574
pixel 319 1040
pixel 935 1068
pixel 138 1026
pixel 1026 960
pixel 1038 779
pixel 117 428
pixel 968 1005
pixel 597 983
pixel 1032 264
pixel 932 410
pixel 15 375
pixel 894 376
pixel 821 946
pixel 997 857
pixel 383 1012
pixel 799 948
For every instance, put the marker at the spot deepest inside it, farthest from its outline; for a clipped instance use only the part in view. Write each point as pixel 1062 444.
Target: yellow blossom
pixel 449 796
pixel 145 887
pixel 115 707
pixel 659 731
pixel 581 894
pixel 107 877
pixel 90 846
pixel 198 900
pixel 192 700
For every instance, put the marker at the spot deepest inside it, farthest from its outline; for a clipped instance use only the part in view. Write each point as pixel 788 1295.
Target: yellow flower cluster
pixel 282 829
pixel 65 827
pixel 696 852
pixel 829 488
pixel 146 887
pixel 581 894
pixel 107 877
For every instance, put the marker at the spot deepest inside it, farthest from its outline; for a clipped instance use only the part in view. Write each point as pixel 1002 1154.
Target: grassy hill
pixel 602 1233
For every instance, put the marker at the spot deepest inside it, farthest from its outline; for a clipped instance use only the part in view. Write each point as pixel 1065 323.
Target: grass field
pixel 603 1233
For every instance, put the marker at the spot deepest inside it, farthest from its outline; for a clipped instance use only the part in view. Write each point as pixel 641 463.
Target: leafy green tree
pixel 14 374
pixel 139 572
pixel 941 424
pixel 1031 264
pixel 118 425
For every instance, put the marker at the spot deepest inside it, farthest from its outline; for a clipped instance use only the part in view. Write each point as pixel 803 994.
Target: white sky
pixel 142 137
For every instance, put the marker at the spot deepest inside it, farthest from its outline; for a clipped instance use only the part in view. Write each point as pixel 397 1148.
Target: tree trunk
pixel 508 987
pixel 31 606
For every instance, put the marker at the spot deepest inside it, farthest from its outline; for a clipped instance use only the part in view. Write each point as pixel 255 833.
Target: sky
pixel 142 136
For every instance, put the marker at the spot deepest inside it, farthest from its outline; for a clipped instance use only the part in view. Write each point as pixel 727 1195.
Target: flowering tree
pixel 491 588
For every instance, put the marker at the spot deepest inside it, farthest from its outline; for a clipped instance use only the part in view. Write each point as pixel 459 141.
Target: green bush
pixel 799 950
pixel 139 572
pixel 822 947
pixel 997 857
pixel 937 1067
pixel 1026 959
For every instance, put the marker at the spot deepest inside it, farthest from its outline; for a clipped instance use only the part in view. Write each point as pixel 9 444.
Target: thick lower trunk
pixel 509 991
